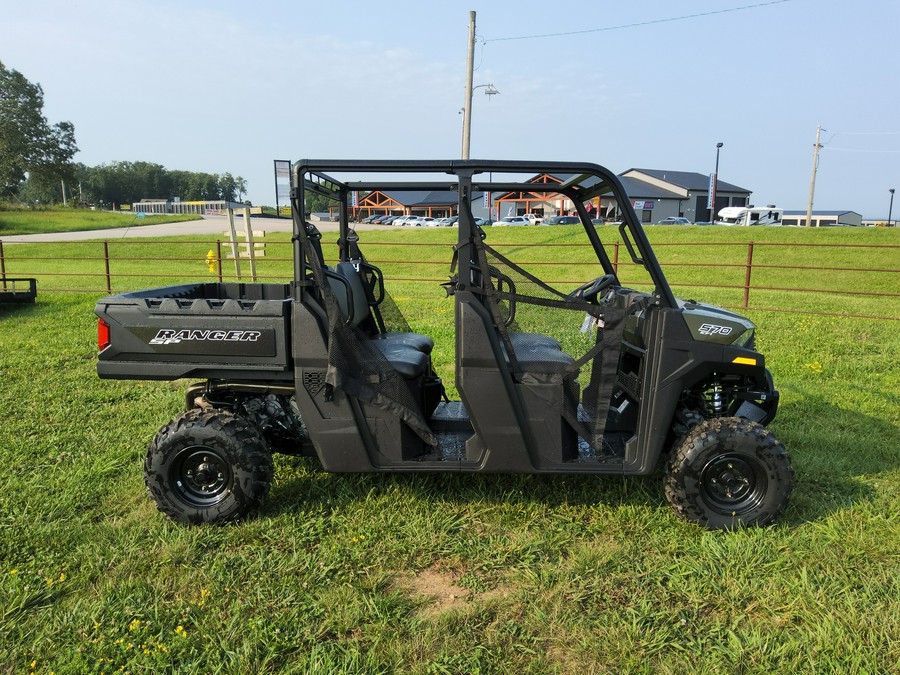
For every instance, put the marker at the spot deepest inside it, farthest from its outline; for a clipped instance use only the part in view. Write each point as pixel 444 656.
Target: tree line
pixel 127 182
pixel 36 161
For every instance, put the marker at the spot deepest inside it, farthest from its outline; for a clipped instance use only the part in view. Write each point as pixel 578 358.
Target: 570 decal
pixel 174 337
pixel 714 329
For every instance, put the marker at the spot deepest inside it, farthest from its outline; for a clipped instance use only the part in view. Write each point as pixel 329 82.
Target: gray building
pixel 661 194
pixel 824 218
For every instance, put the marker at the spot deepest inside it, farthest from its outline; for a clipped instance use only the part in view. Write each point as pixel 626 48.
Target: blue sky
pixel 230 86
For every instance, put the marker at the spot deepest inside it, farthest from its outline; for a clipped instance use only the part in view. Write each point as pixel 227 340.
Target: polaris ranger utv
pixel 599 379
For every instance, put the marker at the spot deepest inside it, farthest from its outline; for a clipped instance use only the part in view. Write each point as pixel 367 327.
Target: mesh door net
pixel 591 334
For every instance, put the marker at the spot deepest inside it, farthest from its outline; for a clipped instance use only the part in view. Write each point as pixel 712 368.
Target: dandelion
pixel 14 571
pixel 815 367
pixel 62 577
pixel 180 631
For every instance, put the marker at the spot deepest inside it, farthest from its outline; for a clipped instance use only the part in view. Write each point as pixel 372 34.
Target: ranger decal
pixel 174 337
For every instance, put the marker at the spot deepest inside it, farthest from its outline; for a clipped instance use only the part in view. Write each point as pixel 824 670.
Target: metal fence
pixel 99 273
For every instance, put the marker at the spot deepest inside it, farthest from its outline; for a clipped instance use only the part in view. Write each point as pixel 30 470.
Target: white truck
pixel 750 215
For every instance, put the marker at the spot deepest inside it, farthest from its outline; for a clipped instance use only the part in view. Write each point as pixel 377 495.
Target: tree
pixel 29 146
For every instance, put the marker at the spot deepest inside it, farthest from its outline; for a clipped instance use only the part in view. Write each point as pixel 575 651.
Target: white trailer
pixel 750 215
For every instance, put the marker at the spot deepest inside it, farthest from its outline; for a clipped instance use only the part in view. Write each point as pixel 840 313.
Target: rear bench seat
pixel 408 353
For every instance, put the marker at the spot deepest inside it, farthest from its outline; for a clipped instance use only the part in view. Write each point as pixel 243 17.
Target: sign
pixel 354 199
pixel 711 200
pixel 643 206
pixel 282 182
pixel 485 199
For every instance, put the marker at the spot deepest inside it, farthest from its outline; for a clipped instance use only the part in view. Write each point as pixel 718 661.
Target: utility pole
pixel 470 66
pixel 63 190
pixel 812 182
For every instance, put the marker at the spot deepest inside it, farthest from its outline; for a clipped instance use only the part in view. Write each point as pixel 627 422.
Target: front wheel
pixel 208 467
pixel 727 473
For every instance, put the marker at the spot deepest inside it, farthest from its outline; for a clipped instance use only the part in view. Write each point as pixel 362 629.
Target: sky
pixel 230 85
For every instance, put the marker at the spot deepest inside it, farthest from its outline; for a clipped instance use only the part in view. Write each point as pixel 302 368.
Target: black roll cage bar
pixel 587 181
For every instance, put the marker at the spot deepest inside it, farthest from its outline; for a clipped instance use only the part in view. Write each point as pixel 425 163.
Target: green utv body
pixel 602 379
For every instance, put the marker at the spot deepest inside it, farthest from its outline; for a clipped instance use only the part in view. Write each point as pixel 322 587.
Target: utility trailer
pixel 596 379
pixel 18 290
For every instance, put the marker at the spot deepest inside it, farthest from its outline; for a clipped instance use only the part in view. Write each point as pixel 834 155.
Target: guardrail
pixel 100 267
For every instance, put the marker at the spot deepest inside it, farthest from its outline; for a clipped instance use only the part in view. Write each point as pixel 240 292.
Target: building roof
pixel 837 212
pixel 687 180
pixel 434 198
pixel 635 188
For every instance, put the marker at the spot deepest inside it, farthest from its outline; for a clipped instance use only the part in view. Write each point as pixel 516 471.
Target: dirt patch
pixel 435 586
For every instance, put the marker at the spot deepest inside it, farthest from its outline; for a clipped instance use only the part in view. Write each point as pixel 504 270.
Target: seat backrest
pixel 355 303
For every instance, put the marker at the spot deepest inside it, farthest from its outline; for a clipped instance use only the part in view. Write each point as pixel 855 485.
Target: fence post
pixel 2 265
pixel 749 269
pixel 106 266
pixel 219 258
pixel 234 247
pixel 250 245
pixel 616 258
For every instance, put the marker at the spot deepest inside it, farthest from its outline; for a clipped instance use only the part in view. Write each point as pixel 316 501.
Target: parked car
pixel 513 220
pixel 598 221
pixel 389 220
pixel 428 221
pixel 369 219
pixel 674 220
pixel 562 220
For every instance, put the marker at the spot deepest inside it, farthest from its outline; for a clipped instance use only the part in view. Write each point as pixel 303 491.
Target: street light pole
pixel 715 187
pixel 891 207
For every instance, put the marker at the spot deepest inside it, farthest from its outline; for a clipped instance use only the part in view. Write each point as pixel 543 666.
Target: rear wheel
pixel 727 473
pixel 208 466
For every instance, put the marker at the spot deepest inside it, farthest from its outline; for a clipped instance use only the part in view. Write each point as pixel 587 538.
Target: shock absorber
pixel 717 401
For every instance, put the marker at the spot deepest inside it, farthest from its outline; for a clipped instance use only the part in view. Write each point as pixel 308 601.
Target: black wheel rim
pixel 733 483
pixel 201 476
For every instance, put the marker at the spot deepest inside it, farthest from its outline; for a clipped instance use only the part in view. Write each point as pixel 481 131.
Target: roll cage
pixel 584 182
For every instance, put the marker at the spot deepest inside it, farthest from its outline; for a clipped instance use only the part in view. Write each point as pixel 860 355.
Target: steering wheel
pixel 591 289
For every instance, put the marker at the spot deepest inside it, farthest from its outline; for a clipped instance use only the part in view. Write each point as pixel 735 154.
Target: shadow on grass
pixel 835 453
pixel 832 451
pixel 18 309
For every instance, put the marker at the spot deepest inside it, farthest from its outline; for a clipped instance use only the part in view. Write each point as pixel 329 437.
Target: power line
pixel 640 23
pixel 878 152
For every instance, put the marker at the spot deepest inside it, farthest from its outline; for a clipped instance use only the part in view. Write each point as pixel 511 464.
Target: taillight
pixel 102 334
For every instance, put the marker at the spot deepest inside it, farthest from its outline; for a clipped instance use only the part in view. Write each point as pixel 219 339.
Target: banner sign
pixel 711 201
pixel 643 206
pixel 282 182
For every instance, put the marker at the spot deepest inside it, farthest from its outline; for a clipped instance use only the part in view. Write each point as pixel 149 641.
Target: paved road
pixel 213 225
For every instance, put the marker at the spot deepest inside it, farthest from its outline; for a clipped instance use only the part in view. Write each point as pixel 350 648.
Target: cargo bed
pixel 236 331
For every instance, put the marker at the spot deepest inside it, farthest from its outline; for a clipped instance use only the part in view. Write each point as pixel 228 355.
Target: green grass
pixel 447 574
pixel 15 220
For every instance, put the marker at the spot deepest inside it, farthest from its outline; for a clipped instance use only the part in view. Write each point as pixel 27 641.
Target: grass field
pixel 452 574
pixel 15 220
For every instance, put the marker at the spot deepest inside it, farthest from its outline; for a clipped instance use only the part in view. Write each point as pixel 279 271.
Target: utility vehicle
pixel 584 376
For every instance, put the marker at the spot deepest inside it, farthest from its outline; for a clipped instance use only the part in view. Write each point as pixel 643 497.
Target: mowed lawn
pixel 454 574
pixel 35 221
